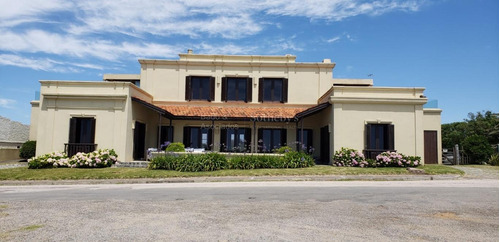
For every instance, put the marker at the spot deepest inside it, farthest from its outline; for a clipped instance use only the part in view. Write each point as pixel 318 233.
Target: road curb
pixel 236 179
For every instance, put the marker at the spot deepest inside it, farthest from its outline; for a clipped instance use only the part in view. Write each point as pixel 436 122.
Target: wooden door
pixel 324 148
pixel 139 141
pixel 430 147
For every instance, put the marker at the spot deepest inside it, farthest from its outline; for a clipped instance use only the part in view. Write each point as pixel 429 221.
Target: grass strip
pixel 24 173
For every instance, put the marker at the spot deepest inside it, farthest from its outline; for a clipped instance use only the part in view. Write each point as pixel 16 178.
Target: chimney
pixel 190 51
pixel 327 61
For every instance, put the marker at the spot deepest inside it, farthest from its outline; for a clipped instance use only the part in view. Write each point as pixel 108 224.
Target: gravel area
pixel 478 173
pixel 7 166
pixel 257 213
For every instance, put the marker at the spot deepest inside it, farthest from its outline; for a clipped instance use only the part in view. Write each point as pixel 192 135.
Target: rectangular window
pixel 380 137
pixel 197 137
pixel 200 88
pixel 237 89
pixel 271 139
pixel 166 134
pixel 235 140
pixel 273 90
pixel 82 130
pixel 305 144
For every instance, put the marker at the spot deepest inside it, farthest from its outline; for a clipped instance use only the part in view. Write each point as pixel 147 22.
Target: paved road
pixel 453 210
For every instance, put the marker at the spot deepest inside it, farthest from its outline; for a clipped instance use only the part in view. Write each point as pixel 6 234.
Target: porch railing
pixel 72 148
pixel 372 153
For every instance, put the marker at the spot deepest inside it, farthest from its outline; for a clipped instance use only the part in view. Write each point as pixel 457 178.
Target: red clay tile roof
pixel 233 112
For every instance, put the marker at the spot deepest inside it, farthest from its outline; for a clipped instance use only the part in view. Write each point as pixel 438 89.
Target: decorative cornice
pixel 85 96
pixel 432 110
pixel 412 101
pixel 238 64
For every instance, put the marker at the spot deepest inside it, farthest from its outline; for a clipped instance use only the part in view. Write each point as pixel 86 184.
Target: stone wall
pixel 7 154
pixel 13 131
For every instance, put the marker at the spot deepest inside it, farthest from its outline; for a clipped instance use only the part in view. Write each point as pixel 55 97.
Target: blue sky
pixel 450 47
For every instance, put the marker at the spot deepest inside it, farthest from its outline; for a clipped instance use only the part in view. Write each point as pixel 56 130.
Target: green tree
pixel 477 135
pixel 478 148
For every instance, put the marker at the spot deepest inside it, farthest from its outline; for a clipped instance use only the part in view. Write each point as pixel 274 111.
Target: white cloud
pixel 45 64
pixel 35 41
pixel 333 40
pixel 7 103
pixel 337 10
pixel 17 12
pixel 88 29
pixel 226 18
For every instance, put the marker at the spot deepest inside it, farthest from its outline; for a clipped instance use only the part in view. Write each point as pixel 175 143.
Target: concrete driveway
pixel 451 210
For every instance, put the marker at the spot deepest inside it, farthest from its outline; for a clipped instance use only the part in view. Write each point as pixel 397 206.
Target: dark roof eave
pixel 313 110
pixel 161 111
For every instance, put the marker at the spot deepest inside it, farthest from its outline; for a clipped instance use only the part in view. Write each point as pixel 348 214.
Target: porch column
pixel 255 142
pixel 301 132
pixel 213 135
pixel 171 132
pixel 159 130
pixel 296 137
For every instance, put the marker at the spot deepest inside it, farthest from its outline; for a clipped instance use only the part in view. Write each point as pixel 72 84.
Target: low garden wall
pixel 225 154
pixel 9 154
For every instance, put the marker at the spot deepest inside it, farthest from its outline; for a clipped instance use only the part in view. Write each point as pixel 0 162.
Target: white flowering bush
pixel 349 157
pixel 95 159
pixel 396 159
pixel 47 160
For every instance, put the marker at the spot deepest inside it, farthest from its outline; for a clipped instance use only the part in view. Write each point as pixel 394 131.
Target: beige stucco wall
pixel 432 121
pixel 9 154
pixel 354 107
pixel 108 103
pixel 165 79
pixel 35 110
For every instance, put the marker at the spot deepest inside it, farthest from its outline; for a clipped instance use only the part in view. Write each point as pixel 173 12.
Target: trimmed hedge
pixel 175 147
pixel 28 149
pixel 215 161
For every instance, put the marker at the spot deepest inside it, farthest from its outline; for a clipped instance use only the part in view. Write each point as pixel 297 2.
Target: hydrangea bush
pixel 47 160
pixel 396 159
pixel 95 159
pixel 349 157
pixel 352 157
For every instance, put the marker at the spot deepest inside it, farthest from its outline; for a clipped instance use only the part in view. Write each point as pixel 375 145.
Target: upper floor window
pixel 273 90
pixel 200 88
pixel 380 137
pixel 236 89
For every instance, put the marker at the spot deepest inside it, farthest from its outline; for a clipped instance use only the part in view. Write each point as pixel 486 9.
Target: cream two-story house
pixel 234 103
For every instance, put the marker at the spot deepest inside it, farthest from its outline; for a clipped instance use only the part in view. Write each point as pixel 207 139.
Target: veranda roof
pixel 243 113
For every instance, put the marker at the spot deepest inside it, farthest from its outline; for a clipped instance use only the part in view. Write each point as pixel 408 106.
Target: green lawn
pixel 24 173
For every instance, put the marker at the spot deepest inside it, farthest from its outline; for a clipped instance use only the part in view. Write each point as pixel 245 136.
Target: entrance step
pixel 134 164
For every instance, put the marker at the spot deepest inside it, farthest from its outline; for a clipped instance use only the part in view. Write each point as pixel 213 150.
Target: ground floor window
pixel 166 134
pixel 197 137
pixel 271 139
pixel 81 130
pixel 305 143
pixel 235 140
pixel 380 137
pixel 81 136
